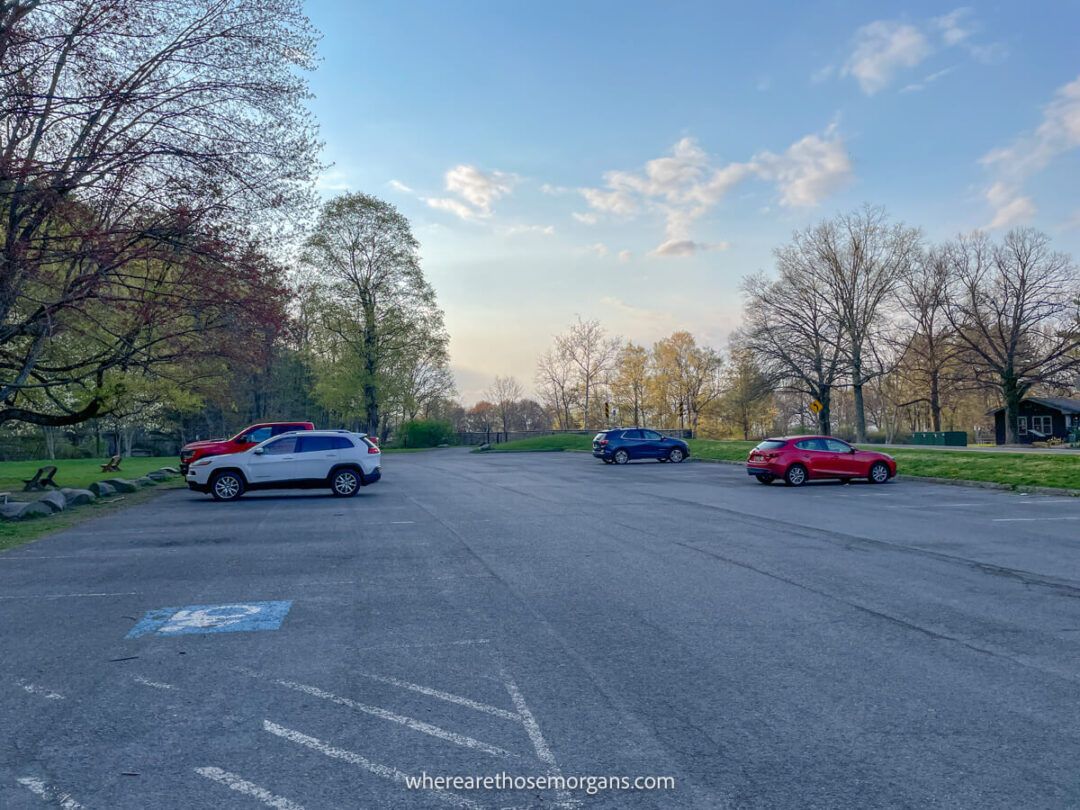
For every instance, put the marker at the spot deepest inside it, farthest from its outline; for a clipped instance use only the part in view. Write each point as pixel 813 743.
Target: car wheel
pixel 676 455
pixel 345 483
pixel 227 486
pixel 607 461
pixel 879 472
pixel 795 475
pixel 765 478
pixel 621 457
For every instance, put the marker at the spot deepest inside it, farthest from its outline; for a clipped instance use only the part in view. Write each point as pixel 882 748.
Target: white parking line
pixel 154 684
pixel 385 771
pixel 1030 520
pixel 241 785
pixel 409 722
pixel 68 595
pixel 441 695
pixel 540 746
pixel 1029 502
pixel 47 793
pixel 34 689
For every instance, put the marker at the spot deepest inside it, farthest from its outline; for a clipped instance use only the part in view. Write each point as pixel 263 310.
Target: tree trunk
pixel 857 390
pixel 371 368
pixel 1010 390
pixel 824 418
pixel 935 400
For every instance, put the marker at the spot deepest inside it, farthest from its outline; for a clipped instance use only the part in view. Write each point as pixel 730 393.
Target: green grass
pixel 76 472
pixel 1012 469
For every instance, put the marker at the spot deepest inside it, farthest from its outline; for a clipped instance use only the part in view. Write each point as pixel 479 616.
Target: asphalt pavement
pixel 543 615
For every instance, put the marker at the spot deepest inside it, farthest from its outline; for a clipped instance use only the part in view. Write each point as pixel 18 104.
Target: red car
pixel 248 437
pixel 798 459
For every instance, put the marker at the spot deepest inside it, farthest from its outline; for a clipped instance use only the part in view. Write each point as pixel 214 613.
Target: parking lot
pixel 909 644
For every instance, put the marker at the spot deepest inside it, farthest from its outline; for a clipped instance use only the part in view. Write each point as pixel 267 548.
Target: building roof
pixel 1063 404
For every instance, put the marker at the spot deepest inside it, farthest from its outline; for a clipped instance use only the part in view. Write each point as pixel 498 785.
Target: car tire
pixel 227 485
pixel 879 473
pixel 621 457
pixel 765 478
pixel 608 461
pixel 676 455
pixel 345 483
pixel 795 475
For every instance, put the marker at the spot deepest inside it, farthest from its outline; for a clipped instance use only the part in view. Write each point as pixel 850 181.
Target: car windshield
pixel 770 444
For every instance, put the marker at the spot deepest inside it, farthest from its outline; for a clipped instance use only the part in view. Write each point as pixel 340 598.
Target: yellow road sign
pixel 815 407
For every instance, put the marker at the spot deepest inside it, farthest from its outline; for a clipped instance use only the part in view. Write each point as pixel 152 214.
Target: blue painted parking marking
pixel 237 617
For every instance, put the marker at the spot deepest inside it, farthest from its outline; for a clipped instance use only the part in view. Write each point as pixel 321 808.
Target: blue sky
pixel 631 161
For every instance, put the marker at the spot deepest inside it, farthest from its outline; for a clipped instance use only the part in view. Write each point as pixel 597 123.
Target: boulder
pixel 145 482
pixel 101 489
pixel 170 470
pixel 122 485
pixel 158 475
pixel 484 447
pixel 78 497
pixel 55 500
pixel 16 510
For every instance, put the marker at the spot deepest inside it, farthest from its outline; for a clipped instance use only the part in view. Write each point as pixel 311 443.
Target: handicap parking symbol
pixel 231 618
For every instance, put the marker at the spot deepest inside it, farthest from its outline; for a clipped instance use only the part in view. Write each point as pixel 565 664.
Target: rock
pixel 158 475
pixel 170 470
pixel 101 489
pixel 55 499
pixel 146 482
pixel 78 497
pixel 16 510
pixel 484 446
pixel 121 485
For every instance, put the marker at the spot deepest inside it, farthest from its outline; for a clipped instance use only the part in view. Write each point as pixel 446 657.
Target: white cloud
pixel 1032 152
pixel 1010 207
pixel 626 255
pixel 809 170
pixel 397 185
pixel 554 191
pixel 587 218
pixel 915 87
pixel 476 191
pixel 542 230
pixel 955 26
pixel 882 48
pixel 599 248
pixel 333 180
pixel 685 185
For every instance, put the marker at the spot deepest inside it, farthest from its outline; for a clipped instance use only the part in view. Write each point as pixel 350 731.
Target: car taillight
pixel 373 450
pixel 602 442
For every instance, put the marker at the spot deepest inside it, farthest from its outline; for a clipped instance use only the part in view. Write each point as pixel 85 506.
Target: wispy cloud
pixel 539 230
pixel 1030 153
pixel 686 184
pixel 476 191
pixel 397 185
pixel 332 180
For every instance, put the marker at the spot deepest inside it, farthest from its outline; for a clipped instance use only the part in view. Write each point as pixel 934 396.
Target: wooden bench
pixel 112 465
pixel 42 479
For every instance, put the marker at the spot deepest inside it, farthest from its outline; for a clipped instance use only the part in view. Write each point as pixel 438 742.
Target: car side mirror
pixel 854 450
pixel 259 451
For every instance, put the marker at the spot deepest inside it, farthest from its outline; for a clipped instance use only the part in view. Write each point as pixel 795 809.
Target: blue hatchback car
pixel 623 445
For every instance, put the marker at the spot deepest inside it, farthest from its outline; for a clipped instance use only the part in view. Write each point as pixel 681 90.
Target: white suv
pixel 334 459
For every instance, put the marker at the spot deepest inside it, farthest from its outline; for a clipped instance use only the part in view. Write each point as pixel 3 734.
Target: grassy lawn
pixel 1015 469
pixel 76 472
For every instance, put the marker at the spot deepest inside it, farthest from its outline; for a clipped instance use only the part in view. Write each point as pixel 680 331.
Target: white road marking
pixel 1030 502
pixel 42 789
pixel 397 645
pixel 1029 520
pixel 68 595
pixel 241 785
pixel 385 771
pixel 408 722
pixel 155 684
pixel 401 522
pixel 441 695
pixel 34 689
pixel 540 746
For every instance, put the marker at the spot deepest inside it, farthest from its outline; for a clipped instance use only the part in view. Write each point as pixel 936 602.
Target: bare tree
pixel 791 329
pixel 588 348
pixel 1014 306
pixel 928 349
pixel 556 383
pixel 504 394
pixel 861 257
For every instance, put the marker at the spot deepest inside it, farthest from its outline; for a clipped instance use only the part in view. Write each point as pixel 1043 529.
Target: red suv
pixel 248 437
pixel 797 459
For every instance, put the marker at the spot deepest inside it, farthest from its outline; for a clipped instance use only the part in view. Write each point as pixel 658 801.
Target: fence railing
pixel 473 437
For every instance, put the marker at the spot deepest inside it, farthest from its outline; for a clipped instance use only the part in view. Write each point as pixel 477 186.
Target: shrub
pixel 424 433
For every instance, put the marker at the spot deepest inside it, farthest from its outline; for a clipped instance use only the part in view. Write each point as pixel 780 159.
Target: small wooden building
pixel 1040 418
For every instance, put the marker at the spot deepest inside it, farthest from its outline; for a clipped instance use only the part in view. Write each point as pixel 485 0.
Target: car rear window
pixel 599 436
pixel 770 444
pixel 368 441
